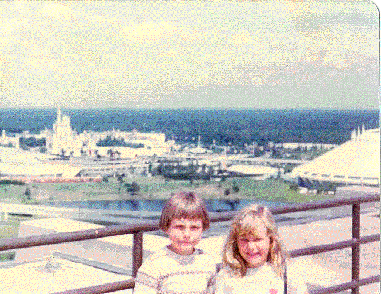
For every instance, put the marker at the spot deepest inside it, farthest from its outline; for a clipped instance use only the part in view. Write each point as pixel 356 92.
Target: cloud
pixel 82 52
pixel 58 11
pixel 342 46
pixel 240 38
pixel 149 31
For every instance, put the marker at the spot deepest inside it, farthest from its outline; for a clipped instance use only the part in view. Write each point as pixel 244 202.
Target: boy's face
pixel 184 235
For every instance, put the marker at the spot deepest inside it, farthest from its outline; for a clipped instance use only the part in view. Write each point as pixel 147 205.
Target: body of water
pixel 222 126
pixel 213 205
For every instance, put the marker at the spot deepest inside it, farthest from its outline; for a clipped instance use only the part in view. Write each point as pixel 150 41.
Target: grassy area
pixel 9 228
pixel 7 256
pixel 150 188
pixel 11 193
pixel 269 190
pixel 157 188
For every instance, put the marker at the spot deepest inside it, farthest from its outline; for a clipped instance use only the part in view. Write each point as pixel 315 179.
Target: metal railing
pixel 138 230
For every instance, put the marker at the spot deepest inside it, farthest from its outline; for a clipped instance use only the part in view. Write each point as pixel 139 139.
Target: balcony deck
pixel 318 271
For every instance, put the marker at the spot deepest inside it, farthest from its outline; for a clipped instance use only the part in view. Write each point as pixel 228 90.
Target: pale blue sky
pixel 263 54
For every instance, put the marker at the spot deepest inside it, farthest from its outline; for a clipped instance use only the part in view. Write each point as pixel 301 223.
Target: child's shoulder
pixel 164 262
pixel 156 263
pixel 163 255
pixel 205 255
pixel 158 256
pixel 224 271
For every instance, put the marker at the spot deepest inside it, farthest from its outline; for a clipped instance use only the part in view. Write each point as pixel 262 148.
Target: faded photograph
pixel 137 136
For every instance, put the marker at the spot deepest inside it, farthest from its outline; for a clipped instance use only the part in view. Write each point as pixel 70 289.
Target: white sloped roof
pixel 38 169
pixel 16 162
pixel 8 154
pixel 355 160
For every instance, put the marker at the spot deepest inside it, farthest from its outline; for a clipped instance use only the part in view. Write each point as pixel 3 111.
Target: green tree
pixel 235 187
pixel 135 188
pixel 28 194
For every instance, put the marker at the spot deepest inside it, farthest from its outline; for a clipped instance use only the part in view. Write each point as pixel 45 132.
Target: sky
pixel 199 54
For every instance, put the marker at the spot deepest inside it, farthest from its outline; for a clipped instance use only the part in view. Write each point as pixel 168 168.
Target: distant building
pixel 307 146
pixel 9 141
pixel 63 140
pixel 260 172
pixel 356 162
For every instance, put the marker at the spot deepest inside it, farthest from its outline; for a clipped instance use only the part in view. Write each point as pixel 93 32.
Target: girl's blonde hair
pixel 245 223
pixel 184 205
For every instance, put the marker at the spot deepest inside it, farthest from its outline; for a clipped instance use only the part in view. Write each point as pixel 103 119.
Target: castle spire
pixel 358 133
pixel 59 114
pixel 353 134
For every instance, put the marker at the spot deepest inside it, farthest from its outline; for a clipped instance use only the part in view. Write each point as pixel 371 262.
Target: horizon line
pixel 191 108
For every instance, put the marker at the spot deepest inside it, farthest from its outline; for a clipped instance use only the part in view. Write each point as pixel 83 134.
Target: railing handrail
pixel 306 206
pixel 138 229
pixel 115 230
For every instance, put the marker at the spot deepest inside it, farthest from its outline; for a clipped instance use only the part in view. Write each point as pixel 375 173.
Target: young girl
pixel 253 258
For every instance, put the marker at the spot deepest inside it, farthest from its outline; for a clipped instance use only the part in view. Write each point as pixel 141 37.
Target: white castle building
pixel 63 140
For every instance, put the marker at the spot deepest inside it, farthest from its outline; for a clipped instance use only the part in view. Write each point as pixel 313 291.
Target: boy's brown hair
pixel 184 205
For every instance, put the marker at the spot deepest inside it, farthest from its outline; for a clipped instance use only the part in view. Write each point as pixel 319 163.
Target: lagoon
pixel 213 205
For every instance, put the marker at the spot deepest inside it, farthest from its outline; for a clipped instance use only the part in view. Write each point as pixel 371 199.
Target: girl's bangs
pixel 248 226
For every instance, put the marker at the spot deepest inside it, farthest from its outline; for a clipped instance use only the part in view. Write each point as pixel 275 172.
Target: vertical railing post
pixel 137 252
pixel 356 246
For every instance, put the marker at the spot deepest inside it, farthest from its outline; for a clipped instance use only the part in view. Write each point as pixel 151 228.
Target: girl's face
pixel 255 248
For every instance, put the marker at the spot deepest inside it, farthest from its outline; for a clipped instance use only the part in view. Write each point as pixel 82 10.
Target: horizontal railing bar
pixel 56 238
pixel 226 216
pixel 333 246
pixel 348 285
pixel 325 204
pixel 104 288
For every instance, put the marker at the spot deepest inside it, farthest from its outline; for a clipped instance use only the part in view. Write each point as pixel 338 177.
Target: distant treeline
pixel 222 126
pixel 11 182
pixel 32 142
pixel 110 142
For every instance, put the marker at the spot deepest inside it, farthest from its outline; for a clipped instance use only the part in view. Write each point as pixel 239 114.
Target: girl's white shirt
pixel 262 280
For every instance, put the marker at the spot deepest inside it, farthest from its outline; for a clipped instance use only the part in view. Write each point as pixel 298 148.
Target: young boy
pixel 179 267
